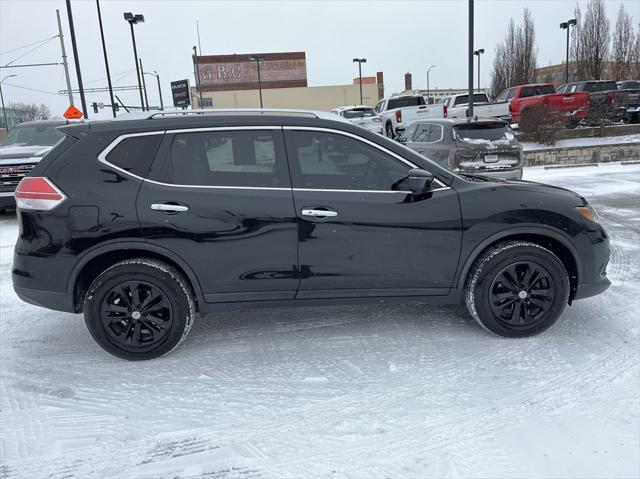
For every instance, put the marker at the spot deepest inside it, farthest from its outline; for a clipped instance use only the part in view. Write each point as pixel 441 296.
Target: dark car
pixel 140 224
pixel 485 147
pixel 606 102
pixel 22 148
pixel 632 89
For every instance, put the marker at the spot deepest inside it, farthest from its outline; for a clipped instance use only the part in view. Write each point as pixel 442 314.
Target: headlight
pixel 588 213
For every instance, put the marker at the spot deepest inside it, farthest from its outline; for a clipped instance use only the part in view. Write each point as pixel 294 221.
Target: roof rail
pixel 236 111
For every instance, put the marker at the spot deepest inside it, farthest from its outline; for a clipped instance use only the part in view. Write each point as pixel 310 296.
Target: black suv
pixel 142 223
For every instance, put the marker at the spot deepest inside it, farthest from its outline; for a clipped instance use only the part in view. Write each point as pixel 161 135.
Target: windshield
pixel 358 113
pixel 33 135
pixel 630 85
pixel 403 101
pixel 477 98
pixel 600 86
pixel 483 131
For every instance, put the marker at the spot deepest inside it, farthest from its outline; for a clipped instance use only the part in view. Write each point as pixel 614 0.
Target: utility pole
pixel 428 90
pixel 196 73
pixel 479 52
pixel 470 59
pixel 64 59
pixel 134 19
pixel 77 60
pixel 144 85
pixel 4 111
pixel 106 61
pixel 360 61
pixel 159 90
pixel 566 26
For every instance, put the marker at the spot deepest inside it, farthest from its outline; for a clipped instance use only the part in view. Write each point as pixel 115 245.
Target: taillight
pixel 610 97
pixel 451 160
pixel 446 111
pixel 38 193
pixel 398 116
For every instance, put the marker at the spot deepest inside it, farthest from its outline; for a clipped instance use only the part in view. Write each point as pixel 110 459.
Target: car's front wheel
pixel 139 309
pixel 517 289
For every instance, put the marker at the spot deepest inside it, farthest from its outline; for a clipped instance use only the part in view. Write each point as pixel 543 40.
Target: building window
pixel 206 102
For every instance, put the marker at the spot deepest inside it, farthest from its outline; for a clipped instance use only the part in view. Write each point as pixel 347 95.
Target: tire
pixel 389 131
pixel 132 330
pixel 517 308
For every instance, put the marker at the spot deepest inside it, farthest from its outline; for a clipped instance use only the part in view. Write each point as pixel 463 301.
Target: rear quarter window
pixel 403 102
pixel 135 154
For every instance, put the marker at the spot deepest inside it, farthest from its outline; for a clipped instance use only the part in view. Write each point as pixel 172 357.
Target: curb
pixel 573 165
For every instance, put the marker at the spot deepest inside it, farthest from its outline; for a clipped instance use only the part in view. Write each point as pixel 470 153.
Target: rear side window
pixel 135 154
pixel 477 98
pixel 600 86
pixel 252 158
pixel 429 133
pixel 405 101
pixel 536 90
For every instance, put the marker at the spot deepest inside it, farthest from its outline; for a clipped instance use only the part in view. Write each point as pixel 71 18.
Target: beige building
pixel 322 98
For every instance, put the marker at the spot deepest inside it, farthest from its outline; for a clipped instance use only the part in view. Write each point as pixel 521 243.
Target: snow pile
pixel 593 141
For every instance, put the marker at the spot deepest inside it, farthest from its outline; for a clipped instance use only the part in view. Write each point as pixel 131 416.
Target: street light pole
pixel 565 26
pixel 428 91
pixel 360 61
pixel 74 46
pixel 155 74
pixel 144 84
pixel 4 112
pixel 479 52
pixel 106 61
pixel 470 60
pixel 133 19
pixel 258 59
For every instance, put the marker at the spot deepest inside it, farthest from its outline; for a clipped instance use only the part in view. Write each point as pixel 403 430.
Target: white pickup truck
pixel 400 111
pixel 456 106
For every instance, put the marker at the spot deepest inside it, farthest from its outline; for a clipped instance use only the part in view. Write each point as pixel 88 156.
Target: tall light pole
pixel 479 52
pixel 155 74
pixel 428 70
pixel 4 112
pixel 76 59
pixel 106 61
pixel 133 19
pixel 470 59
pixel 360 61
pixel 144 84
pixel 565 26
pixel 258 59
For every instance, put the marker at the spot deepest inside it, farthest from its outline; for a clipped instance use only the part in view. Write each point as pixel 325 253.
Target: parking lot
pixel 341 392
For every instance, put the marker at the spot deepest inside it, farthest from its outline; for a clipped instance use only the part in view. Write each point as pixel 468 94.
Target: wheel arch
pixel 554 241
pixel 101 258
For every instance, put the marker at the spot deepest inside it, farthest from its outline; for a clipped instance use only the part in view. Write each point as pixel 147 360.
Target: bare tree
pixel 634 57
pixel 623 46
pixel 577 53
pixel 595 39
pixel 29 111
pixel 516 57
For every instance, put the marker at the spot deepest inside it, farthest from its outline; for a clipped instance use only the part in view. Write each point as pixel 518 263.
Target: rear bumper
pixel 592 289
pixel 7 200
pixel 515 174
pixel 46 299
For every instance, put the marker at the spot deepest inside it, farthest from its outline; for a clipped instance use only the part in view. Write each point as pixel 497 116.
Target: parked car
pixel 606 102
pixel 141 224
pixel 632 89
pixel 457 106
pixel 527 100
pixel 22 148
pixel 400 111
pixel 360 115
pixel 485 147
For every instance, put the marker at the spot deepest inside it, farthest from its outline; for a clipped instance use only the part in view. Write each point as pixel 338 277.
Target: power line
pixel 27 46
pixel 32 89
pixel 32 50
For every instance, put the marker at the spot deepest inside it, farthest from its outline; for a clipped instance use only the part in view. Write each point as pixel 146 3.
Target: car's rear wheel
pixel 139 309
pixel 517 289
pixel 389 131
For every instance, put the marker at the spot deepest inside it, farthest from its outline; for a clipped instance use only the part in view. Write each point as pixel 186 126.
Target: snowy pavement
pixel 590 141
pixel 338 392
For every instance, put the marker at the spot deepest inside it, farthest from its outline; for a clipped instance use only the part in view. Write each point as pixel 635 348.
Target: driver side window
pixel 323 160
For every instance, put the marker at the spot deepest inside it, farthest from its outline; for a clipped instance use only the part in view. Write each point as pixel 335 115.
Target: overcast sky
pixel 395 36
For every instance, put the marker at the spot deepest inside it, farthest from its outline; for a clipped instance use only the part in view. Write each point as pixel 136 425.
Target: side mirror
pixel 402 139
pixel 419 181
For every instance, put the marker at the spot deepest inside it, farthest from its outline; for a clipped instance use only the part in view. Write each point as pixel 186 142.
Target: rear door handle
pixel 169 208
pixel 319 213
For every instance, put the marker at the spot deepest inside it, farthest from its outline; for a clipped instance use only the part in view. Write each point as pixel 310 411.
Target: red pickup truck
pixel 527 99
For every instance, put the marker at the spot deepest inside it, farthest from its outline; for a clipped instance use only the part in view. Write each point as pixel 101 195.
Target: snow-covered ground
pixel 338 392
pixel 591 141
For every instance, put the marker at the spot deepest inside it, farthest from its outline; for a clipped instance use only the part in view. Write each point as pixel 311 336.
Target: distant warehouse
pixel 231 81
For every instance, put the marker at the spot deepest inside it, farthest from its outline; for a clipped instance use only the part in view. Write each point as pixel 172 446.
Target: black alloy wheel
pixel 136 313
pixel 521 294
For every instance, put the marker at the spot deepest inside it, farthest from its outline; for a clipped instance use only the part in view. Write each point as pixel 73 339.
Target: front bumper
pixel 511 174
pixel 592 289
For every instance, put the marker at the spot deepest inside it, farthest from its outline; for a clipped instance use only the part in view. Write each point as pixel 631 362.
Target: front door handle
pixel 169 208
pixel 319 213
